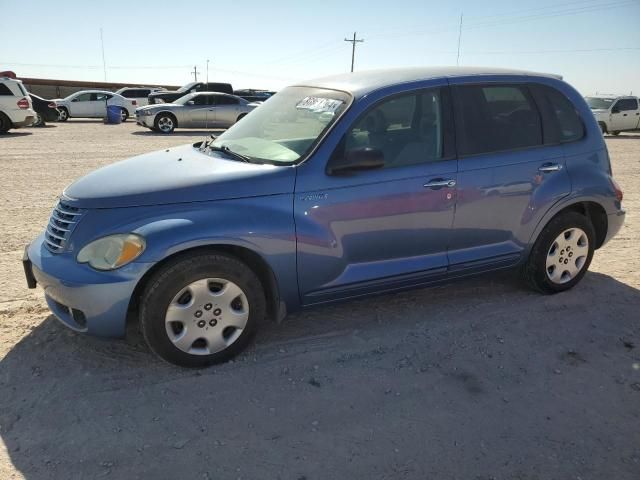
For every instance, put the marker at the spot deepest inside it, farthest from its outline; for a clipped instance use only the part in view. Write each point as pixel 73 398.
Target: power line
pixel 353 48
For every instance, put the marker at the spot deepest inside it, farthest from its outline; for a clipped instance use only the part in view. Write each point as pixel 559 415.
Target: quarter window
pixel 492 118
pixel 408 129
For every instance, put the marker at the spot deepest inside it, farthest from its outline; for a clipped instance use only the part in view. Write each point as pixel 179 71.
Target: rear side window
pixel 494 118
pixel 626 104
pixel 222 100
pixel 4 90
pixel 561 121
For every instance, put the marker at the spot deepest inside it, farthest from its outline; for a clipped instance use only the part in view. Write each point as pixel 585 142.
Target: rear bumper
pixel 22 117
pixel 614 224
pixel 82 298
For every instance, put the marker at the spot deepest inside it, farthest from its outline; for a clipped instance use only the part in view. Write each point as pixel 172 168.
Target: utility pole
pixel 207 71
pixel 353 47
pixel 104 63
pixel 195 73
pixel 459 40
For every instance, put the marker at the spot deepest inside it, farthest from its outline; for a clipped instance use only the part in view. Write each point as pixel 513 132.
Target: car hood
pixel 177 175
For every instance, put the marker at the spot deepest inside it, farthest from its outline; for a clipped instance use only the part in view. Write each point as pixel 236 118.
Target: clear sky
pixel 594 44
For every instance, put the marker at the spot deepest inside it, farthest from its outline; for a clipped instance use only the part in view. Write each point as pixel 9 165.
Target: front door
pixel 380 229
pixel 197 112
pixel 80 106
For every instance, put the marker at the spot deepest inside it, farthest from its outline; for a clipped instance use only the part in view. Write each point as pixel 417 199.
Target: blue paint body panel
pixel 324 237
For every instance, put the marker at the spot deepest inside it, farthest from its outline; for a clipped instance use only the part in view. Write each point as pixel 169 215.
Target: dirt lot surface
pixel 476 380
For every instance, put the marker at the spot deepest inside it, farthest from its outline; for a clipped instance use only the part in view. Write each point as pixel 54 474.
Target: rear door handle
pixel 550 167
pixel 440 182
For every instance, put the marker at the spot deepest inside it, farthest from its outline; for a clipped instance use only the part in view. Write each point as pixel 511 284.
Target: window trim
pixel 449 145
pixel 528 95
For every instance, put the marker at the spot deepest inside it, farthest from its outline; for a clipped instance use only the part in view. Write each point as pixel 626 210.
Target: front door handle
pixel 550 167
pixel 439 183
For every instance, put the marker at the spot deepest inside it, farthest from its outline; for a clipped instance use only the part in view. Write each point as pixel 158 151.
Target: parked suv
pixel 16 109
pixel 616 114
pixel 335 189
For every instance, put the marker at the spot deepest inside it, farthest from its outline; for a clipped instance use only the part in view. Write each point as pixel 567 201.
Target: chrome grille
pixel 62 222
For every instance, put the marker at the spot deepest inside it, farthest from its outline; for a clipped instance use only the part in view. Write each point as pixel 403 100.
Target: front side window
pixel 494 118
pixel 85 97
pixel 408 129
pixel 284 129
pixel 626 104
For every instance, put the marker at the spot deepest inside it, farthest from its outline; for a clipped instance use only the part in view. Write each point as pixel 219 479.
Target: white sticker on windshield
pixel 319 105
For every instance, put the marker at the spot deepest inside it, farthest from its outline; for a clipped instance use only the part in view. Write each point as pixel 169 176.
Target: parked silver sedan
pixel 195 110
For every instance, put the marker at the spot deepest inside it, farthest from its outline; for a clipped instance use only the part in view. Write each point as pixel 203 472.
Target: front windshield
pixel 185 99
pixel 599 103
pixel 186 87
pixel 286 126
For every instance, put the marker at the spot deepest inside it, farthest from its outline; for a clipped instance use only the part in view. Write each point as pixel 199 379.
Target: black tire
pixel 39 121
pixel 5 123
pixel 160 124
pixel 64 114
pixel 615 133
pixel 240 117
pixel 603 128
pixel 171 279
pixel 534 271
pixel 124 115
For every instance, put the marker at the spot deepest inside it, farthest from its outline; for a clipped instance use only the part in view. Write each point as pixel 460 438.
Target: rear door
pixel 380 229
pixel 98 104
pixel 227 110
pixel 506 173
pixel 196 112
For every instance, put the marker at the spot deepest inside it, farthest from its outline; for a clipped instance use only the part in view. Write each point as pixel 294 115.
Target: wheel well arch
pixel 166 112
pixel 249 257
pixel 596 215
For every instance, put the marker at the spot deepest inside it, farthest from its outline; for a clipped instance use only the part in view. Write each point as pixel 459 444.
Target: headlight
pixel 147 112
pixel 114 251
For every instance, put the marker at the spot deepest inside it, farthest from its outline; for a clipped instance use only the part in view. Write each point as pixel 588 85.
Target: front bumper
pixel 145 120
pixel 82 298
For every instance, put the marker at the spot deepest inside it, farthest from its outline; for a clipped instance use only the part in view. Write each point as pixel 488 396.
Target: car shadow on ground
pixel 185 133
pixel 623 137
pixel 13 134
pixel 475 366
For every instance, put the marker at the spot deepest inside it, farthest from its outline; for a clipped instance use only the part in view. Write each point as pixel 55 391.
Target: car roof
pixel 361 83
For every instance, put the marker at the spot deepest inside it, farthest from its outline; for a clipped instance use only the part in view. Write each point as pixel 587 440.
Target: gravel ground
pixel 476 380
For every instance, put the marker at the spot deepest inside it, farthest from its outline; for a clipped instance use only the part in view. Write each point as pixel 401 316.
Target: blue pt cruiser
pixel 333 189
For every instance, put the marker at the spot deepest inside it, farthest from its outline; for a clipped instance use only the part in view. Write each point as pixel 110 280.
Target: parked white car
pixel 16 110
pixel 139 94
pixel 615 114
pixel 93 104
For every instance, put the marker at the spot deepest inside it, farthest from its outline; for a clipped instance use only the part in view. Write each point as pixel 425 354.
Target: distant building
pixel 50 88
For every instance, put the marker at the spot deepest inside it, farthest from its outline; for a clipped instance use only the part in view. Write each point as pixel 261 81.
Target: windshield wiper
pixel 231 153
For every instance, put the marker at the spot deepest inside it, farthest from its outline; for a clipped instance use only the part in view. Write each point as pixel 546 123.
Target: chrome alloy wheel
pixel 567 255
pixel 165 124
pixel 207 316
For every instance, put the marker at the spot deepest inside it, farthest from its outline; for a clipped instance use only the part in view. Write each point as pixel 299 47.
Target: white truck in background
pixel 615 114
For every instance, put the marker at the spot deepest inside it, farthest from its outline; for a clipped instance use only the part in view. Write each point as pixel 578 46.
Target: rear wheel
pixel 165 123
pixel 615 133
pixel 63 114
pixel 562 254
pixel 240 117
pixel 201 309
pixel 124 115
pixel 39 121
pixel 5 123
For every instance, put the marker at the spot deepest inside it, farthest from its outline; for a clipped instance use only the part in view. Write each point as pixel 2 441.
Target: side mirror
pixel 357 159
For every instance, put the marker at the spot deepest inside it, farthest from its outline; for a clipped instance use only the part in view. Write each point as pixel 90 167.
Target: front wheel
pixel 165 123
pixel 201 309
pixel 562 254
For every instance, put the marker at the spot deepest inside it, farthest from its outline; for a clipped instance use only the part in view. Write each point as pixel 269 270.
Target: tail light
pixel 134 102
pixel 23 103
pixel 52 105
pixel 617 189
